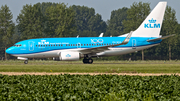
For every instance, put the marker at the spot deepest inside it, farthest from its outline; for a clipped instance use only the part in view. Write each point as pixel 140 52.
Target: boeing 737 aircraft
pixel 69 49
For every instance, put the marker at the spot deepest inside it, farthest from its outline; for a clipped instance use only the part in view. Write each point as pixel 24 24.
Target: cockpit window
pixel 18 45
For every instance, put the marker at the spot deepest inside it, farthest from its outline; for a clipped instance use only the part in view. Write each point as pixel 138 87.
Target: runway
pixel 62 73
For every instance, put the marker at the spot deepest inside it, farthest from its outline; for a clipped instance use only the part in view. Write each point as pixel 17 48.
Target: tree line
pixel 58 20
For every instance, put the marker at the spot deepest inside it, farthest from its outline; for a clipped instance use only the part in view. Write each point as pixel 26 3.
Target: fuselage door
pixel 134 44
pixel 78 45
pixel 31 46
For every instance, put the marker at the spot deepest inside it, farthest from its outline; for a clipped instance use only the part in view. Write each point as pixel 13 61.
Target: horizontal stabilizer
pixel 164 37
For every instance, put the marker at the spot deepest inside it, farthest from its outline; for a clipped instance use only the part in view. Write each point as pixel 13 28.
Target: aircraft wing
pixel 103 48
pixel 164 37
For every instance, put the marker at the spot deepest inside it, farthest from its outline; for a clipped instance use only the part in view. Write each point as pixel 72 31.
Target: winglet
pixel 126 40
pixel 101 35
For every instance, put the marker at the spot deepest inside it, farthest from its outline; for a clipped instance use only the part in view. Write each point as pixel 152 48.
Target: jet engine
pixel 69 56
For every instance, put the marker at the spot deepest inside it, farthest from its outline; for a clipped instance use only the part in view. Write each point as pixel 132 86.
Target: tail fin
pixel 151 26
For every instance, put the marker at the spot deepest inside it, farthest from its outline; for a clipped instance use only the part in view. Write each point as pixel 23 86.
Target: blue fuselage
pixel 41 45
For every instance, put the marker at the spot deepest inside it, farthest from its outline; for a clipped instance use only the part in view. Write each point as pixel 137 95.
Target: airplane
pixel 72 49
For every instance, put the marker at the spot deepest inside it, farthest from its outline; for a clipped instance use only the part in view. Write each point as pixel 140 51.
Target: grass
pixel 96 67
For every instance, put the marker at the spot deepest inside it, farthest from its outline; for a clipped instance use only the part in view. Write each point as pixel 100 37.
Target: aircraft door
pixel 31 46
pixel 134 44
pixel 78 45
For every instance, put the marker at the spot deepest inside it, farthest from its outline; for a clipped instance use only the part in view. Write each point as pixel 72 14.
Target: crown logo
pixel 152 21
pixel 68 55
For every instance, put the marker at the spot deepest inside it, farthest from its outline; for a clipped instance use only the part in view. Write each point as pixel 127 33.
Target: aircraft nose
pixel 9 50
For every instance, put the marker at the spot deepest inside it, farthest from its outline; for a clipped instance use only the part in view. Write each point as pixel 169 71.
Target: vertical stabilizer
pixel 151 26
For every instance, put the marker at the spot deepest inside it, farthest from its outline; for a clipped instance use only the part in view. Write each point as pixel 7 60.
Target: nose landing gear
pixel 25 61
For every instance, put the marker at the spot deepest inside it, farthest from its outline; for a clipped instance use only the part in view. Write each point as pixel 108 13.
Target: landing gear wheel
pixel 90 61
pixel 87 61
pixel 26 62
pixel 84 61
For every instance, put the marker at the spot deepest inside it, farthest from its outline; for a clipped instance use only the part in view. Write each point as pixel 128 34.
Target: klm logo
pixel 152 24
pixel 43 42
pixel 68 55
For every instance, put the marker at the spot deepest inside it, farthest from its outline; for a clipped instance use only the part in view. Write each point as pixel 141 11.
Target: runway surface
pixel 46 73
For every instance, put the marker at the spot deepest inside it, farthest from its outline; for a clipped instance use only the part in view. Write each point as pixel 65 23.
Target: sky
pixel 103 7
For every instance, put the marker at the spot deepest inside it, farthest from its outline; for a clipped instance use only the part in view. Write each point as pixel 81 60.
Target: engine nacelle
pixel 69 56
pixel 22 58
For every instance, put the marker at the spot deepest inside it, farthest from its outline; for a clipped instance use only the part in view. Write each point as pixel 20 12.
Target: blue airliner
pixel 70 49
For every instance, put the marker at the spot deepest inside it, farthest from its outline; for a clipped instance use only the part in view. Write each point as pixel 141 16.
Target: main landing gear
pixel 25 61
pixel 87 61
